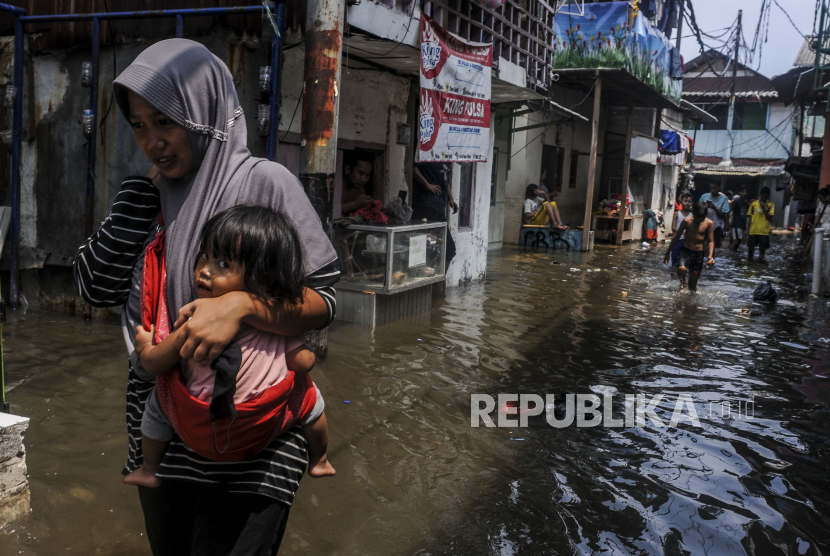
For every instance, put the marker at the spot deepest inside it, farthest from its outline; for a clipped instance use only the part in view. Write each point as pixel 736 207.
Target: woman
pixel 185 114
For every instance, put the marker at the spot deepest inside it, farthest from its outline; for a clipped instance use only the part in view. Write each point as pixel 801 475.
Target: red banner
pixel 455 96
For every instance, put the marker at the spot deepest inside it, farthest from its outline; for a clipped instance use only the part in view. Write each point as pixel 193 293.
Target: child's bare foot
pixel 320 467
pixel 143 477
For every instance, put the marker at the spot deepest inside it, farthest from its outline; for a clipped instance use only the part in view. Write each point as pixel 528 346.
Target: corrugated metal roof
pixel 806 54
pixel 750 170
pixel 706 83
pixel 741 94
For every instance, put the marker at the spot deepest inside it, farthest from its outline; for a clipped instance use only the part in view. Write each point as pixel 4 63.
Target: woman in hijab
pixel 182 105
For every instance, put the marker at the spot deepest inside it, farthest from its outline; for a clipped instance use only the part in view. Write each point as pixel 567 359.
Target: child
pixel 245 248
pixel 738 210
pixel 539 214
pixel 695 230
pixel 718 205
pixel 680 215
pixel 759 217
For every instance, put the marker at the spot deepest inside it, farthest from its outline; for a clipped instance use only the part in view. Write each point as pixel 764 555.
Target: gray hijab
pixel 184 81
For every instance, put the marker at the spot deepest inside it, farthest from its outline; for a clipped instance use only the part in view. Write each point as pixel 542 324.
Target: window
pixel 466 196
pixel 494 177
pixel 720 111
pixel 574 167
pixel 750 116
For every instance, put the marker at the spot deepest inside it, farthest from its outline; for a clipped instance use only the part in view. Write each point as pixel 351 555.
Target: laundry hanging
pixel 669 142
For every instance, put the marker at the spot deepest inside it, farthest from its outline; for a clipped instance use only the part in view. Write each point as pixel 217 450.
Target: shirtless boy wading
pixel 696 231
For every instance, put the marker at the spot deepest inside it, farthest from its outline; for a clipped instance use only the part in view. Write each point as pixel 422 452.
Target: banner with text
pixel 454 114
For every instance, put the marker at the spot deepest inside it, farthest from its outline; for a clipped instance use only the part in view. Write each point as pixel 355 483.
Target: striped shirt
pixel 107 270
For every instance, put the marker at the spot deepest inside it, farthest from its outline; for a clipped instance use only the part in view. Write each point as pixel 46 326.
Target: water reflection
pixel 415 478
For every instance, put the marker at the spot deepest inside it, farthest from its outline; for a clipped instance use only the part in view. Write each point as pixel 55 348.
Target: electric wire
pixel 698 35
pixel 791 20
pixel 296 106
pixel 408 25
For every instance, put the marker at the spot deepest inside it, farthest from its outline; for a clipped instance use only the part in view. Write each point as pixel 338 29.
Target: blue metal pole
pixel 16 125
pixel 276 79
pixel 179 26
pixel 93 105
pixel 145 14
pixel 12 9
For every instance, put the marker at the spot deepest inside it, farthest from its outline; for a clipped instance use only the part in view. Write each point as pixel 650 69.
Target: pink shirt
pixel 263 365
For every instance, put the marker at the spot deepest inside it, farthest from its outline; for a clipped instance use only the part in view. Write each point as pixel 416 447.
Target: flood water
pixel 413 477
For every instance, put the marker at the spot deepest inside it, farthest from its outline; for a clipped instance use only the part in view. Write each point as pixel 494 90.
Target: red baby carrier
pixel 258 421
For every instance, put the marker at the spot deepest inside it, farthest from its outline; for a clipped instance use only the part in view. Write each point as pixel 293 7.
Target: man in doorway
pixel 430 196
pixel 357 169
pixel 718 205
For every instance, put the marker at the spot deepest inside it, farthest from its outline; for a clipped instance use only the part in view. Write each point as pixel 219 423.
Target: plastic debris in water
pixel 777 464
pixel 346 401
pixel 765 293
pixel 790 344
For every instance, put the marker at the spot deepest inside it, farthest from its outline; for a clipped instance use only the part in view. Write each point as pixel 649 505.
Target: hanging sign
pixel 454 112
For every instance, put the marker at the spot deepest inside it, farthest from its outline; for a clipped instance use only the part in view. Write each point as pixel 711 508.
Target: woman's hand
pixel 143 339
pixel 209 325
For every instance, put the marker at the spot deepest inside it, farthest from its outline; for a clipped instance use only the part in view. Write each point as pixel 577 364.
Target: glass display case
pixel 389 259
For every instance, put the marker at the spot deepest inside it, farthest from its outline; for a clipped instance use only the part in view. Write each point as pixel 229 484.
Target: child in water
pixel 245 248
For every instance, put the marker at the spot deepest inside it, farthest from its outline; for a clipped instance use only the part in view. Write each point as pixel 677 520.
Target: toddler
pixel 245 248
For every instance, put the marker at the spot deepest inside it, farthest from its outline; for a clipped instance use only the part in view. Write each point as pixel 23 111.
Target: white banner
pixel 454 115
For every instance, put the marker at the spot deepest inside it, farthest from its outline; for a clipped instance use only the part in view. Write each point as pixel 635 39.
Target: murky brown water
pixel 415 478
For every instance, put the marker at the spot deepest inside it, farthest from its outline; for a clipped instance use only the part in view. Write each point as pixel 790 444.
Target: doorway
pixel 553 161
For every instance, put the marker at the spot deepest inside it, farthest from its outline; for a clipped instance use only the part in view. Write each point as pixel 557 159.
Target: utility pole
pixel 730 120
pixel 681 7
pixel 321 107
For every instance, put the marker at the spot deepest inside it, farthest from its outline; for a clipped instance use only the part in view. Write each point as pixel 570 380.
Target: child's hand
pixel 143 339
pixel 711 261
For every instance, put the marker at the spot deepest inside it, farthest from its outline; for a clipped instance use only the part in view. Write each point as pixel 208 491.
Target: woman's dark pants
pixel 184 518
pixel 434 215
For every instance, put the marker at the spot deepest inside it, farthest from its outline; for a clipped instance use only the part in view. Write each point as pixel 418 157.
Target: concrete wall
pixel 526 162
pixel 496 219
pixel 666 178
pixel 54 150
pixel 470 262
pixel 372 103
pixel 771 143
pixel 14 483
